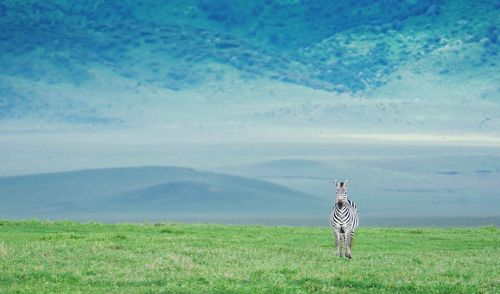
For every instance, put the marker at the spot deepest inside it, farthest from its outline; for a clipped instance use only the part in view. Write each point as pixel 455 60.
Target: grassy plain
pixel 43 257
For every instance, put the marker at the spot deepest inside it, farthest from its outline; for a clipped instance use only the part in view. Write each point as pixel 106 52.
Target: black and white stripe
pixel 343 219
pixel 345 216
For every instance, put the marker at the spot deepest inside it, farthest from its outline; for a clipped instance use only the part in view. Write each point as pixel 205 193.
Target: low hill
pixel 147 193
pixel 422 187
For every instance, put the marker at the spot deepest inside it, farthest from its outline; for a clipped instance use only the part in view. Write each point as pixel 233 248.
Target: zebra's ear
pixel 336 183
pixel 346 182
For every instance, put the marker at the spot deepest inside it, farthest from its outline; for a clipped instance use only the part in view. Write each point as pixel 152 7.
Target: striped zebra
pixel 343 219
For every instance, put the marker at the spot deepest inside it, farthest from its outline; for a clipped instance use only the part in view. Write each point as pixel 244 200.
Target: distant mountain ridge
pixel 346 46
pixel 395 66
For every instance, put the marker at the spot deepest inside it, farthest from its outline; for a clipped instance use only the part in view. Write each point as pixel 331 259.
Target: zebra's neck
pixel 342 205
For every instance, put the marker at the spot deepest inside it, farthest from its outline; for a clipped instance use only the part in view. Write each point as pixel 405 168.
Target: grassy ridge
pixel 67 257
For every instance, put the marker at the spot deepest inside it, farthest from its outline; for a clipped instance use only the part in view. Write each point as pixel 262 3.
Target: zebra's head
pixel 341 191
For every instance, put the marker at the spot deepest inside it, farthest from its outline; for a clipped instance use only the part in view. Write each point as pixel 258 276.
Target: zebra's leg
pixel 349 236
pixel 352 240
pixel 338 241
pixel 342 244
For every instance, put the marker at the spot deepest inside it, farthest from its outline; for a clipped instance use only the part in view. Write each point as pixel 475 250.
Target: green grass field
pixel 40 257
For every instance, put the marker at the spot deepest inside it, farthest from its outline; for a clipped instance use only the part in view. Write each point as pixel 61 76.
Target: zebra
pixel 343 219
